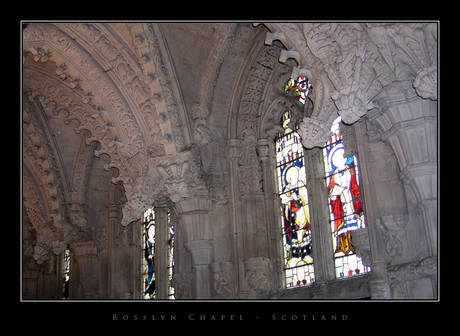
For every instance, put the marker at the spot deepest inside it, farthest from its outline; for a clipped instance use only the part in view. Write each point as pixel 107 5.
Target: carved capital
pixel 200 250
pixel 180 173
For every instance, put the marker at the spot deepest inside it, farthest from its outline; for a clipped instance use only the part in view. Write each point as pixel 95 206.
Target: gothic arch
pixel 116 88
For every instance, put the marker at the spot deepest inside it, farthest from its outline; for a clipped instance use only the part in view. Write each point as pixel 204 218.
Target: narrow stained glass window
pixel 65 290
pixel 170 248
pixel 158 255
pixel 148 264
pixel 293 196
pixel 345 204
pixel 298 88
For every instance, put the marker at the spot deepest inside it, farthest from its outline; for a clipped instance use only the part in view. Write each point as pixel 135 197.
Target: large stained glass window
pixel 298 88
pixel 148 264
pixel 345 204
pixel 294 211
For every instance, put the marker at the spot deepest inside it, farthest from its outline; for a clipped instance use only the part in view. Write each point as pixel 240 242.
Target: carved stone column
pixel 194 216
pixel 86 266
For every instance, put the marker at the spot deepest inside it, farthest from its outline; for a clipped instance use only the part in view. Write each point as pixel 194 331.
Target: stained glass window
pixel 345 204
pixel 170 248
pixel 65 290
pixel 148 264
pixel 158 255
pixel 298 88
pixel 293 196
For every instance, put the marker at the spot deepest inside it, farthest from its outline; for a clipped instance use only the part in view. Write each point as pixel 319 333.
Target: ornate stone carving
pixel 257 274
pixel 180 173
pixel 399 275
pixel 426 83
pixel 249 164
pixel 393 228
pixel 234 150
pixel 182 285
pixel 352 103
pixel 223 280
pixel 360 239
pixel 314 132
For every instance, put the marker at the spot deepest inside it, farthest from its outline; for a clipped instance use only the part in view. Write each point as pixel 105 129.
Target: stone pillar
pixel 85 279
pixel 409 125
pixel 113 215
pixel 194 216
pixel 201 257
pixel 161 258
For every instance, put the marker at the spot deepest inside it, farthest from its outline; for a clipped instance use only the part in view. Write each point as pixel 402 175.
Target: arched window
pixel 294 207
pixel 345 203
pixel 339 199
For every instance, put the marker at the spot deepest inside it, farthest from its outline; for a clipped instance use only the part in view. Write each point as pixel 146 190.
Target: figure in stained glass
pixel 149 255
pixel 171 292
pixel 345 202
pixel 294 210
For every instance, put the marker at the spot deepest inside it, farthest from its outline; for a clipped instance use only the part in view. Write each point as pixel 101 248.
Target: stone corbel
pixel 426 83
pixel 352 103
pixel 314 132
pixel 393 228
pixel 263 149
pixel 257 276
pixel 360 239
